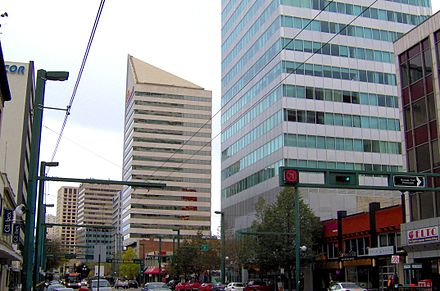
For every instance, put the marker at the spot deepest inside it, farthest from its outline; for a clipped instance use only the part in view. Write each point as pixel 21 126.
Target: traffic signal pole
pixel 297 238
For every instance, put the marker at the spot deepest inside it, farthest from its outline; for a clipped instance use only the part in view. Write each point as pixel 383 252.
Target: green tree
pixel 191 259
pixel 273 251
pixel 129 270
pixel 54 249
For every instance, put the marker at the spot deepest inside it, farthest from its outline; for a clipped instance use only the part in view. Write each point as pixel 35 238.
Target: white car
pixel 235 286
pixel 104 285
pixel 346 286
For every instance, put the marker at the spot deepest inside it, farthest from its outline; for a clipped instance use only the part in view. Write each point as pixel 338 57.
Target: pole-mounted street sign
pixel 288 176
pixel 409 181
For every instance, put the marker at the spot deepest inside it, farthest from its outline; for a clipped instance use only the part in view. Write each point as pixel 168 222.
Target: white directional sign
pixel 409 181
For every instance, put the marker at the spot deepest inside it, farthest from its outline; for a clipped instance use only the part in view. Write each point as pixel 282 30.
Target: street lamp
pixel 41 229
pixel 28 251
pixel 222 237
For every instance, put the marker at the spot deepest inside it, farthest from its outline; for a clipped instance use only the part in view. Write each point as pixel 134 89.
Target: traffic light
pixel 342 178
pixel 288 176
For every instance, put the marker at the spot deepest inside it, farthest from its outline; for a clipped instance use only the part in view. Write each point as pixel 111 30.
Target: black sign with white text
pixel 16 233
pixel 7 221
pixel 409 181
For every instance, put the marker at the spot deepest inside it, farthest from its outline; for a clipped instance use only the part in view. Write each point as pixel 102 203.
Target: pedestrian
pixel 390 282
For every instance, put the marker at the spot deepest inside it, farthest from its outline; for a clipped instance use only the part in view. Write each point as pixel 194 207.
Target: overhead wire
pixel 244 86
pixel 282 80
pixel 78 79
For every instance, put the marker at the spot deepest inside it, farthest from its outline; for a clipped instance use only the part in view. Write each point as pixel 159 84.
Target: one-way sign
pixel 409 181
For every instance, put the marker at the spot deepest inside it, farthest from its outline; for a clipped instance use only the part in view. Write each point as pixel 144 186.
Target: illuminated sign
pixel 420 235
pixel 14 69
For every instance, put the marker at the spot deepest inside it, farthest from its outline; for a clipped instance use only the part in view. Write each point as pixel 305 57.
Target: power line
pixel 281 81
pixel 78 79
pixel 242 88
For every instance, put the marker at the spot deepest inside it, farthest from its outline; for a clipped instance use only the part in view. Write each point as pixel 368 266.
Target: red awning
pixel 152 270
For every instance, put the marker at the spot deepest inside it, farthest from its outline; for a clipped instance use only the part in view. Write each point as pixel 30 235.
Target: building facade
pixel 16 127
pixel 67 198
pixel 166 140
pixel 95 208
pixel 309 84
pixel 418 59
pixel 360 247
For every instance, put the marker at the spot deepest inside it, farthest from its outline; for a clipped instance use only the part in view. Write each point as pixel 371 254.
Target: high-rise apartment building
pixel 95 208
pixel 67 198
pixel 166 140
pixel 418 60
pixel 309 84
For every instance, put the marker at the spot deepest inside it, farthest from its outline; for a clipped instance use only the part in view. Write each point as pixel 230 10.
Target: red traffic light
pixel 291 177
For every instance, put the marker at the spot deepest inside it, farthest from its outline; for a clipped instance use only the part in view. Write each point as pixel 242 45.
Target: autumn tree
pixel 271 240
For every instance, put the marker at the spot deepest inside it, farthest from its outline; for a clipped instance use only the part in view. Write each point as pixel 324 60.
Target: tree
pixel 272 251
pixel 191 259
pixel 129 270
pixel 54 248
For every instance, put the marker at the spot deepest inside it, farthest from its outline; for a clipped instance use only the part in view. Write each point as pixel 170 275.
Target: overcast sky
pixel 181 37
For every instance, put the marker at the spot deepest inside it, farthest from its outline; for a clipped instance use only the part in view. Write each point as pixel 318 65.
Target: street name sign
pixel 409 181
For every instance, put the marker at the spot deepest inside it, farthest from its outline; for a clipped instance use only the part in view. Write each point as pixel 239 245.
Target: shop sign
pixel 16 233
pixel 412 266
pixel 381 251
pixel 395 260
pixel 7 221
pixel 420 235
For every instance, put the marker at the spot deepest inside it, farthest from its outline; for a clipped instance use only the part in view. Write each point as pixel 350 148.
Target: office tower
pixel 291 99
pixel 116 221
pixel 51 234
pixel 16 127
pixel 95 208
pixel 418 59
pixel 166 140
pixel 66 214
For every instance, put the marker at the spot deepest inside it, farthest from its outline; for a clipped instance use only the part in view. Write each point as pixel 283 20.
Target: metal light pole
pixel 28 251
pixel 297 237
pixel 39 243
pixel 222 234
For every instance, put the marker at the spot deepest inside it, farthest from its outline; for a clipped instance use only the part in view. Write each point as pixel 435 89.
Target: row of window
pixel 174 132
pixel 339 73
pixel 176 151
pixel 350 9
pixel 328 118
pixel 253 135
pixel 341 28
pixel 193 160
pixel 342 166
pixel 248 35
pixel 175 97
pixel 171 179
pixel 336 50
pixel 257 66
pixel 171 169
pixel 424 3
pixel 342 144
pixel 311 141
pixel 416 68
pixel 340 96
pixel 172 105
pixel 173 114
pixel 171 141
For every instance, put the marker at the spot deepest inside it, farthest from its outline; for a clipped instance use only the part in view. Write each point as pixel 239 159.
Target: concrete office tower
pixel 51 234
pixel 16 127
pixel 166 140
pixel 95 207
pixel 418 59
pixel 66 214
pixel 337 111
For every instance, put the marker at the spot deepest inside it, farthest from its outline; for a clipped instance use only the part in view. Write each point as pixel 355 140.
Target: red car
pixel 205 287
pixel 187 286
pixel 257 285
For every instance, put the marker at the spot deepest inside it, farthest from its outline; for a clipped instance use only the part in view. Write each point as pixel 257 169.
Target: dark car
pixel 257 285
pixel 218 287
pixel 133 284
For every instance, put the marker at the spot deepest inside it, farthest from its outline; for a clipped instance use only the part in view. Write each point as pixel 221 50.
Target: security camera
pixel 20 210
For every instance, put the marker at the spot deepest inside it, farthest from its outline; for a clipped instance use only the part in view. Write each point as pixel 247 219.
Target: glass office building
pixel 309 84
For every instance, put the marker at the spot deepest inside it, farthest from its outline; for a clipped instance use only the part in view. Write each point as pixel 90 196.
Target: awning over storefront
pixel 153 271
pixel 7 253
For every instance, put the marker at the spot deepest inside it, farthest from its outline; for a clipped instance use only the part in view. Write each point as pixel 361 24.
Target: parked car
pixel 133 284
pixel 205 287
pixel 121 283
pixel 155 286
pixel 346 286
pixel 103 284
pixel 218 287
pixel 257 285
pixel 234 286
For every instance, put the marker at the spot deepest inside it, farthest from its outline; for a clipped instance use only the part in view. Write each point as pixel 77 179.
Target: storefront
pixel 421 241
